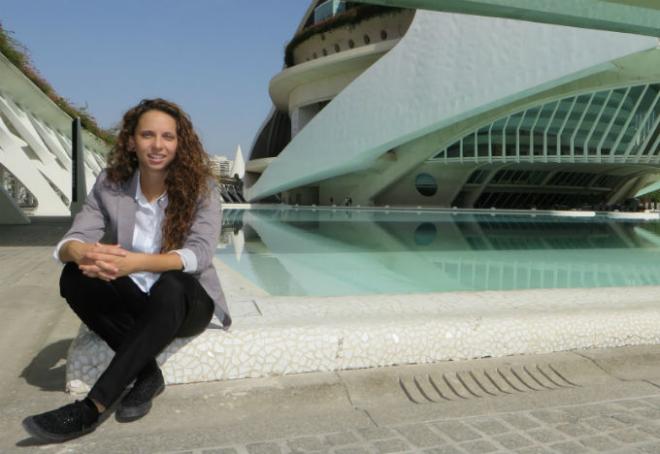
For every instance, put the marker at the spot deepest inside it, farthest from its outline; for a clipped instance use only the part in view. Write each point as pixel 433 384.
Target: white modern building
pixel 35 151
pixel 504 103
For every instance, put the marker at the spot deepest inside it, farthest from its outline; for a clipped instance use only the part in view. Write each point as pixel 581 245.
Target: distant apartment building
pixel 221 166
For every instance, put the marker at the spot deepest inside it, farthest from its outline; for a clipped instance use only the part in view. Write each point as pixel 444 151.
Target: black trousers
pixel 136 325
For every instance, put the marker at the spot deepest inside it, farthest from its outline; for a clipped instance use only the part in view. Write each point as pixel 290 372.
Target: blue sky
pixel 213 57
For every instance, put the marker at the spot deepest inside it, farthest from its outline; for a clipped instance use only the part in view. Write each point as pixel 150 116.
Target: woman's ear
pixel 131 144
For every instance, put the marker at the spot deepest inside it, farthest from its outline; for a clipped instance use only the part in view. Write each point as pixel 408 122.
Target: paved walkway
pixel 616 426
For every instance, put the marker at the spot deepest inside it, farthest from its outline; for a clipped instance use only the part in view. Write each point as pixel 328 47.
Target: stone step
pixel 288 335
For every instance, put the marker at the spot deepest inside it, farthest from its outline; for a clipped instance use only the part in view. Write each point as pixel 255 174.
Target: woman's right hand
pixel 80 253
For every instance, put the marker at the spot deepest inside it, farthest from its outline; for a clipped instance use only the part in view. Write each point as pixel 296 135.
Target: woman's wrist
pixel 140 261
pixel 157 263
pixel 74 251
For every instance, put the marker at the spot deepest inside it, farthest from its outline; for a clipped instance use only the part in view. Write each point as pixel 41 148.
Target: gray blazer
pixel 109 213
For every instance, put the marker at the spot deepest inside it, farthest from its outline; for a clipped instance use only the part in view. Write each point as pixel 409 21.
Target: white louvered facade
pixel 35 151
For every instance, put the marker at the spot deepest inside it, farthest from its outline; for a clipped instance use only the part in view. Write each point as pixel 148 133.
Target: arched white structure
pixel 447 76
pixel 238 166
pixel 35 151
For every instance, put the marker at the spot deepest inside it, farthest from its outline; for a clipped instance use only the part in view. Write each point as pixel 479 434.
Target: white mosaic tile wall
pixel 276 335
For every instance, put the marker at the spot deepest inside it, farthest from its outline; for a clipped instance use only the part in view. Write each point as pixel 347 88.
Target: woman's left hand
pixel 120 266
pixel 112 265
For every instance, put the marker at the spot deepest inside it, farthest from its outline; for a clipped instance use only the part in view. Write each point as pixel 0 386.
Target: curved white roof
pixel 447 68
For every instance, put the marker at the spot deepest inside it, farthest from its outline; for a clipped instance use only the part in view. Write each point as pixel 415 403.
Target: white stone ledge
pixel 295 335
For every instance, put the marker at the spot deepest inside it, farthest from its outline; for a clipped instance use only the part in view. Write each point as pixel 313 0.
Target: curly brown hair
pixel 187 180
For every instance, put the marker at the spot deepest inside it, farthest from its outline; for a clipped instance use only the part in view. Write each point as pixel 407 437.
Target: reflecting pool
pixel 347 252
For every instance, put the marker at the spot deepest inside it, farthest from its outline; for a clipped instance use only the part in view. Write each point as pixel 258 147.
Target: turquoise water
pixel 341 252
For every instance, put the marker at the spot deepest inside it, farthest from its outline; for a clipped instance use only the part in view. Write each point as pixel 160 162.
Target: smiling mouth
pixel 155 158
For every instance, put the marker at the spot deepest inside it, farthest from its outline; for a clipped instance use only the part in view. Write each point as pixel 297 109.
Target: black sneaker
pixel 64 423
pixel 137 402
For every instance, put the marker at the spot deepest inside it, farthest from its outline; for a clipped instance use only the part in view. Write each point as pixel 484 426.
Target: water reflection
pixel 425 234
pixel 303 252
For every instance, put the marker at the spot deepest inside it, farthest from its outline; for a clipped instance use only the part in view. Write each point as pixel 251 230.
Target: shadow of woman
pixel 47 370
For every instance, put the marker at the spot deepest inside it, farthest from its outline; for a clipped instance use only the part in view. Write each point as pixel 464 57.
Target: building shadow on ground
pixel 47 370
pixel 42 233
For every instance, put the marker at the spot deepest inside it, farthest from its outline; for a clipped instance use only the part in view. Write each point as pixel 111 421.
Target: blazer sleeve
pixel 90 223
pixel 199 247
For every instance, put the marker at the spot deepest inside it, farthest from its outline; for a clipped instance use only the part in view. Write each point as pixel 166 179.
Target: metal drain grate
pixel 484 383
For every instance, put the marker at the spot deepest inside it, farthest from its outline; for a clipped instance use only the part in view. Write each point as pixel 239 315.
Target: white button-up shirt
pixel 147 238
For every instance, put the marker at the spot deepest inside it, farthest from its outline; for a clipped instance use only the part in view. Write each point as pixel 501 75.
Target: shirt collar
pixel 141 198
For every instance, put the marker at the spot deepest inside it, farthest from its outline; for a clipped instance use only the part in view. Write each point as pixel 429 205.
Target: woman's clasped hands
pixel 107 261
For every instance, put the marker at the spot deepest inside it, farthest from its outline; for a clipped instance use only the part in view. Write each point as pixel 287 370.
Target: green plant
pixel 654 196
pixel 17 54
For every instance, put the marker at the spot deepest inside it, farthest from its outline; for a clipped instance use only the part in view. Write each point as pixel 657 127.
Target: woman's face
pixel 155 141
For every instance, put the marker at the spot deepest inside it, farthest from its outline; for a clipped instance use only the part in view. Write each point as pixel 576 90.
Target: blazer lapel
pixel 126 213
